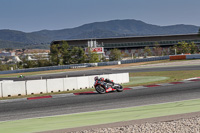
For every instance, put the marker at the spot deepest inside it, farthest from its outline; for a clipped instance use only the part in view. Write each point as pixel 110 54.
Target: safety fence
pixel 30 87
pixel 145 59
pixel 194 56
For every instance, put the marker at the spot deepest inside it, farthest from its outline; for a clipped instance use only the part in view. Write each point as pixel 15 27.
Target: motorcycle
pixel 104 86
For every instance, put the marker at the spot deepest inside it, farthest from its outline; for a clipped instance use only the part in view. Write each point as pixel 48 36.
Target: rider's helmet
pixel 102 79
pixel 96 78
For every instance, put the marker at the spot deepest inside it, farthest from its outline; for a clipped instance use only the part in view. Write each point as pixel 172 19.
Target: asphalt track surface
pixel 94 102
pixel 102 71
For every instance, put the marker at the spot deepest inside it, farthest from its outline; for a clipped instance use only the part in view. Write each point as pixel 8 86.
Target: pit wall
pixel 30 87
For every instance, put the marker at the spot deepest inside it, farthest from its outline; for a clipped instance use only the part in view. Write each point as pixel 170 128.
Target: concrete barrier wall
pixel 119 78
pixel 145 59
pixel 55 85
pixel 70 84
pixel 91 81
pixel 109 63
pixel 82 82
pixel 13 88
pixel 10 88
pixel 125 78
pixel 113 77
pixel 177 57
pixel 1 90
pixel 193 56
pixel 104 76
pixel 36 86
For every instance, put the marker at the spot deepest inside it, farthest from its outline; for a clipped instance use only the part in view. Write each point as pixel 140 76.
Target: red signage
pixel 97 50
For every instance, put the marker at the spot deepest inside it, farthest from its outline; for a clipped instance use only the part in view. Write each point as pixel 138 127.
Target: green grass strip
pixel 144 79
pixel 99 117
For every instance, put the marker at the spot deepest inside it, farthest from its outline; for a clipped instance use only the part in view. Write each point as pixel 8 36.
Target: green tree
pixel 115 55
pixel 103 59
pixel 54 54
pixel 147 51
pixel 59 53
pixel 92 57
pixel 184 47
pixel 77 55
pixel 65 53
pixel 8 49
pixel 3 67
pixel 157 49
pixel 193 48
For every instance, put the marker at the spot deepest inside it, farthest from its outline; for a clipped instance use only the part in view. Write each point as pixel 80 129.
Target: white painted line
pixel 138 87
pixel 165 84
pixel 13 100
pixel 62 95
pixel 190 79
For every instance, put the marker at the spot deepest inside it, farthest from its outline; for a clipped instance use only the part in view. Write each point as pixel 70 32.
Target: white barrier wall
pixel 55 85
pixel 82 82
pixel 113 77
pixel 1 89
pixel 13 88
pixel 119 78
pixel 125 77
pixel 10 88
pixel 36 87
pixel 91 81
pixel 70 84
pixel 104 76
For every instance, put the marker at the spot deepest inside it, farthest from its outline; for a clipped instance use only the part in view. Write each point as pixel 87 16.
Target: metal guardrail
pixel 83 65
pixel 145 59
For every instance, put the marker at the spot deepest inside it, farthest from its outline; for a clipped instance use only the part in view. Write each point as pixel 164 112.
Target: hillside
pixel 113 28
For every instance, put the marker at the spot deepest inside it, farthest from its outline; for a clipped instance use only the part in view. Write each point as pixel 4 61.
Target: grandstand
pixel 130 44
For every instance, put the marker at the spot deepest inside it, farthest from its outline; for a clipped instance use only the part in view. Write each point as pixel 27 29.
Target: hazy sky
pixel 34 15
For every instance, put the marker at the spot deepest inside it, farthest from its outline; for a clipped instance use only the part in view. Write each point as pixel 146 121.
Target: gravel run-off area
pixel 191 125
pixel 180 123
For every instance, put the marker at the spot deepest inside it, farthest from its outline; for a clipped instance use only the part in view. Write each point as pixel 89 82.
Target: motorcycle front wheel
pixel 119 88
pixel 100 89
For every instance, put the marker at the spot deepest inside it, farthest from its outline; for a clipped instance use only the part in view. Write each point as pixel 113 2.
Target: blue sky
pixel 35 15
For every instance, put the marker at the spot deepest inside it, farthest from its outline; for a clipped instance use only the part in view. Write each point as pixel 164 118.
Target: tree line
pixel 63 54
pixel 181 48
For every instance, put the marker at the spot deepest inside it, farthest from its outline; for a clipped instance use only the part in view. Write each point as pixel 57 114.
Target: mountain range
pixel 114 28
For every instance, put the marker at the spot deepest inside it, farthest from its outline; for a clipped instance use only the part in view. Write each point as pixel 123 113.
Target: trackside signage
pixel 97 50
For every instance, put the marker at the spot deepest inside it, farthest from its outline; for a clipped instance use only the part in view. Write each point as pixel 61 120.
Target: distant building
pixel 131 45
pixel 4 53
pixel 16 59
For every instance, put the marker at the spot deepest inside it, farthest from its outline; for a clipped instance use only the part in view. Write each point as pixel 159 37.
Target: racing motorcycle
pixel 103 86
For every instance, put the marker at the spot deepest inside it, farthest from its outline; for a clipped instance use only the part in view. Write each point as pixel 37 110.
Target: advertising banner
pixel 97 50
